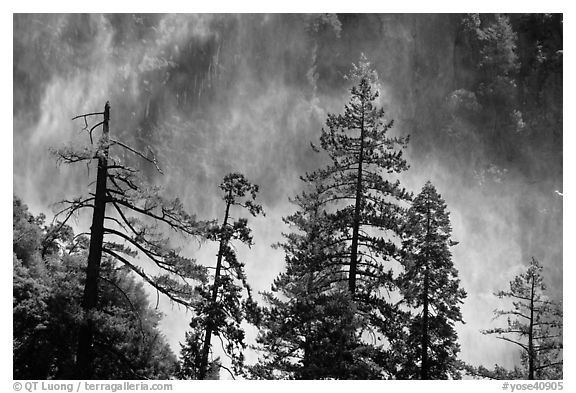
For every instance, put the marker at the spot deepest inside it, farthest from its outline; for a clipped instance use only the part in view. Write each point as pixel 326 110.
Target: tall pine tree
pixel 348 226
pixel 353 186
pixel 360 191
pixel 222 308
pixel 430 286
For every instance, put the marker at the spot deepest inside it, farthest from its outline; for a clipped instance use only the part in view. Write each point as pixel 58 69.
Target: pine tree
pixel 222 310
pixel 349 218
pixel 430 285
pixel 136 226
pixel 310 328
pixel 534 324
pixel 360 194
pixel 353 186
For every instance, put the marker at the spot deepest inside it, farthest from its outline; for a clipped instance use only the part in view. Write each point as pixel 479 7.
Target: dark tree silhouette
pixel 310 328
pixel 430 284
pixel 349 218
pixel 222 309
pixel 365 202
pixel 132 229
pixel 358 191
pixel 534 323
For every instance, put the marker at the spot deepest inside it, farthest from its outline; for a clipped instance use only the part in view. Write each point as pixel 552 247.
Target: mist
pixel 211 94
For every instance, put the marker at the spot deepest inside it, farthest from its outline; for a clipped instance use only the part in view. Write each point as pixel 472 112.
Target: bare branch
pixel 151 160
pixel 85 115
pixel 116 221
pixel 124 217
pixel 125 179
pixel 92 129
pixel 513 342
pixel 227 369
pixel 74 206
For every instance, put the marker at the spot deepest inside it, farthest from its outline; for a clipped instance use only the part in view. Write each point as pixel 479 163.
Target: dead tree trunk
pixel 85 353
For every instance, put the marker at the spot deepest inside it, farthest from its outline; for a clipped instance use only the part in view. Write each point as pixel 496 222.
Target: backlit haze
pixel 213 94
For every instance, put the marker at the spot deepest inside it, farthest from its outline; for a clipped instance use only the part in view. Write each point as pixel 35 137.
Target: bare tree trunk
pixel 85 353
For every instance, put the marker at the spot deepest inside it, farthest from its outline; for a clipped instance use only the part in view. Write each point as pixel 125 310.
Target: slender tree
pixel 430 285
pixel 222 309
pixel 131 229
pixel 534 324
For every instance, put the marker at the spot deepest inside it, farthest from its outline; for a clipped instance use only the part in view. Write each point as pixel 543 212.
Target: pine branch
pixel 513 342
pixel 85 115
pixel 147 278
pixel 166 217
